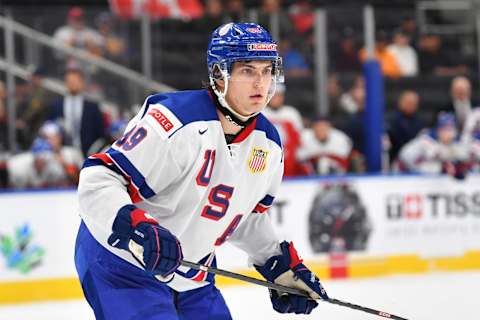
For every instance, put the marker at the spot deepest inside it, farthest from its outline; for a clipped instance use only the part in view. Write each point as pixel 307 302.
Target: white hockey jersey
pixel 174 163
pixel 425 154
pixel 471 129
pixel 328 157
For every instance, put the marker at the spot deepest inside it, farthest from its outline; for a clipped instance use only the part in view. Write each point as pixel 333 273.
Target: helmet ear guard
pixel 216 73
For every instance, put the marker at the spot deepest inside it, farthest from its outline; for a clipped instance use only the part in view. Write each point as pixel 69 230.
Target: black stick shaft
pixel 238 276
pixel 275 286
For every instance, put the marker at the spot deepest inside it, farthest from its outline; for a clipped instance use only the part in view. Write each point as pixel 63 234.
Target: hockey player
pixel 326 148
pixel 471 137
pixel 436 151
pixel 195 169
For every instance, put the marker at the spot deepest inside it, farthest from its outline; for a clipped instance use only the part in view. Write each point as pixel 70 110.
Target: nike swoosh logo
pixel 202 132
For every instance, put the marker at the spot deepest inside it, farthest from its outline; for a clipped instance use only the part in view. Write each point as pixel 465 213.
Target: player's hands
pixel 456 169
pixel 156 247
pixel 288 270
pixel 291 303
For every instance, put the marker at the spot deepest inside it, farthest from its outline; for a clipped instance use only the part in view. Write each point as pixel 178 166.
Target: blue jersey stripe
pixel 99 162
pixel 137 178
pixel 267 200
pixel 264 125
pixel 187 106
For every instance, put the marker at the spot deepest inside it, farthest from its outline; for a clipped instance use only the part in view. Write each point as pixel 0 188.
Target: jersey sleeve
pixel 256 235
pixel 410 155
pixel 136 168
pixel 420 156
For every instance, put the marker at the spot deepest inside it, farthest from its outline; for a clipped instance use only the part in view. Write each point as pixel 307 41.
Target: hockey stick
pixel 275 286
pixel 137 251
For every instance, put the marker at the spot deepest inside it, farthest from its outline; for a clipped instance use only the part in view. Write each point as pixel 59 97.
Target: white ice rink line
pixel 438 296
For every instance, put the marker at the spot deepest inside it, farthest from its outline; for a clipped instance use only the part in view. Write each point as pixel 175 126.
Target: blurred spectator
pixel 294 63
pixel 436 151
pixel 301 14
pixel 113 47
pixel 213 16
pixel 235 11
pixel 353 100
pixel 36 168
pixel 387 61
pixel 334 91
pixel 114 132
pixel 353 126
pixel 405 122
pixel 408 26
pixel 471 128
pixel 435 60
pixel 326 149
pixel 270 8
pixel 471 136
pixel 404 54
pixel 289 124
pixel 69 157
pixel 33 101
pixel 461 100
pixel 81 119
pixel 76 34
pixel 346 57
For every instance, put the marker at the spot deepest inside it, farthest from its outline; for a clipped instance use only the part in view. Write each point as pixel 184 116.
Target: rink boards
pixel 364 226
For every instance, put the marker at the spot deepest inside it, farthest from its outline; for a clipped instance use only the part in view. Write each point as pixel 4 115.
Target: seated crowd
pixel 56 133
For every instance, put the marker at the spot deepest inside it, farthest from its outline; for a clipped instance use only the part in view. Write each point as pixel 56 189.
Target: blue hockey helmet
pixel 234 42
pixel 446 119
pixel 41 149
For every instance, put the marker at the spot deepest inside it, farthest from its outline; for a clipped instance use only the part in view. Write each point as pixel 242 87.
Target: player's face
pixel 447 134
pixel 248 86
pixel 74 83
pixel 321 129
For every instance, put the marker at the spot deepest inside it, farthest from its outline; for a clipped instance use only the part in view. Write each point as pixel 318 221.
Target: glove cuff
pixel 140 216
pixel 131 216
pixel 294 258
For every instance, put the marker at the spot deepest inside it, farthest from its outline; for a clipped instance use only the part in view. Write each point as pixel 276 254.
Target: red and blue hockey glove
pixel 288 270
pixel 156 247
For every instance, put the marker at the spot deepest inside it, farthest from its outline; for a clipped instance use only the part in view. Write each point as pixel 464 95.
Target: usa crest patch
pixel 258 160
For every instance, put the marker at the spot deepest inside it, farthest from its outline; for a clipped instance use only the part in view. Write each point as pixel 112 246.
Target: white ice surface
pixel 438 296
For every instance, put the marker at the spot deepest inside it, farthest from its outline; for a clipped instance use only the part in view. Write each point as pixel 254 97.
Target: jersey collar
pixel 245 132
pixel 247 126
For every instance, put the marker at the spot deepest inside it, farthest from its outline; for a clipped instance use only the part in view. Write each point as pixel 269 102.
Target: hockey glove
pixel 137 232
pixel 288 270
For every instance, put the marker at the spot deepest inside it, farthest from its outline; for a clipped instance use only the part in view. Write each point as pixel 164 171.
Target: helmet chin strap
pixel 229 113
